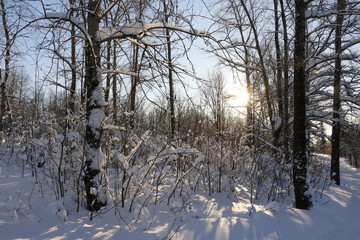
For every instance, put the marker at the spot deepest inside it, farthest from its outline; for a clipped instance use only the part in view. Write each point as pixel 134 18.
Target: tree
pixel 72 103
pixel 303 197
pixel 246 58
pixel 94 112
pixel 263 70
pixel 215 97
pixel 4 80
pixel 278 81
pixel 336 128
pixel 95 187
pixel 285 82
pixel 134 84
pixel 170 73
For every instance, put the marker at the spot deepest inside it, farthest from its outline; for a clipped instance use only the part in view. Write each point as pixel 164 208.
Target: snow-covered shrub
pixel 319 169
pixel 150 171
pixel 14 205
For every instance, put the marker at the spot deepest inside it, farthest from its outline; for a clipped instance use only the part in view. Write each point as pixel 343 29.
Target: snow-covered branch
pixel 140 30
pixel 68 17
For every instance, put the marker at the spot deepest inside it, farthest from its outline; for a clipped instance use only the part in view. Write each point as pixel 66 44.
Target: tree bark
pixel 170 75
pixel 263 70
pixel 285 82
pixel 134 83
pixel 249 87
pixel 108 76
pixel 73 68
pixel 114 87
pixel 336 127
pixel 279 94
pixel 95 197
pixel 303 198
pixel 4 80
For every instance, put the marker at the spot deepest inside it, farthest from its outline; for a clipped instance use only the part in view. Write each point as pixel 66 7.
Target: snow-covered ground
pixel 26 214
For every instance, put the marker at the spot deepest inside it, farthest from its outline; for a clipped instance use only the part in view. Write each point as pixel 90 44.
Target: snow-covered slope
pixel 25 213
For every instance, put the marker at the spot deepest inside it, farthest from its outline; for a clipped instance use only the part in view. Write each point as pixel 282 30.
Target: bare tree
pixel 300 156
pixel 335 137
pixel 94 36
pixel 4 80
pixel 94 112
pixel 278 82
pixel 72 103
pixel 215 96
pixel 170 72
pixel 286 80
pixel 263 70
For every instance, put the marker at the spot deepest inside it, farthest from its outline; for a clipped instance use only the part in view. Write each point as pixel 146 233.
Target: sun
pixel 238 98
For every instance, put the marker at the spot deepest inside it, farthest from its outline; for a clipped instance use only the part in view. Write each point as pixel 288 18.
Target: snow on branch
pixel 136 30
pixel 351 43
pixel 311 13
pixel 69 18
pixel 317 114
pixel 141 30
pixel 351 99
pixel 119 71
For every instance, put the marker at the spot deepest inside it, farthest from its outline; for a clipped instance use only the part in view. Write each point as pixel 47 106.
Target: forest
pixel 138 112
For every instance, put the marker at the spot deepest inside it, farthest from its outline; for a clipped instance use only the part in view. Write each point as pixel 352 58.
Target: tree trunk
pixel 263 70
pixel 4 80
pixel 73 68
pixel 114 88
pixel 95 196
pixel 108 76
pixel 335 137
pixel 170 76
pixel 279 94
pixel 249 105
pixel 249 87
pixel 134 82
pixel 303 198
pixel 286 83
pixel 73 71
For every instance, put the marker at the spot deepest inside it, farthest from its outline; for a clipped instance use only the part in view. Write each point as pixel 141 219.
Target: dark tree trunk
pixel 114 87
pixel 279 94
pixel 73 68
pixel 249 105
pixel 303 198
pixel 249 87
pixel 73 71
pixel 4 80
pixel 286 83
pixel 335 137
pixel 263 70
pixel 134 83
pixel 108 76
pixel 94 114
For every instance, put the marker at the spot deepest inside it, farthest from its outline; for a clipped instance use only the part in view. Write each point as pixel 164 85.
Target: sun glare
pixel 239 99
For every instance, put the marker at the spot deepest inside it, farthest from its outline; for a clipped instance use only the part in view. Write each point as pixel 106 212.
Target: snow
pixel 141 30
pixel 113 127
pixel 277 122
pixel 97 114
pixel 318 14
pixel 96 118
pixel 67 17
pixel 25 214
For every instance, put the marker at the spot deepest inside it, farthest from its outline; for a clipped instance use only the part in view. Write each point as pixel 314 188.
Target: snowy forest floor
pixel 26 214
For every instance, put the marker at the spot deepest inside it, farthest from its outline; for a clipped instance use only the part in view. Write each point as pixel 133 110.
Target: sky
pixel 36 63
